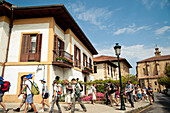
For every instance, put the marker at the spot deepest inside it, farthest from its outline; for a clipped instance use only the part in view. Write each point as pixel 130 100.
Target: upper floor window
pixel 58 46
pixel 31 47
pixel 77 57
pixel 95 69
pixel 108 70
pixel 84 60
pixel 111 72
pixel 90 63
pixel 144 71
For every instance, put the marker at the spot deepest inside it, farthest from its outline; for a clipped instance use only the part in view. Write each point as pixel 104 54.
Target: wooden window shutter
pixel 75 54
pixel 83 59
pixel 79 58
pixel 25 48
pixel 55 48
pixel 38 47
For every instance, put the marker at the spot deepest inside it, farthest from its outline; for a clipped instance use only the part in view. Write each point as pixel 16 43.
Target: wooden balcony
pixel 62 59
pixel 87 69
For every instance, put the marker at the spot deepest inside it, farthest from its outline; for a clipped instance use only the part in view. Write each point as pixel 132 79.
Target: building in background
pixel 45 41
pixel 148 70
pixel 105 67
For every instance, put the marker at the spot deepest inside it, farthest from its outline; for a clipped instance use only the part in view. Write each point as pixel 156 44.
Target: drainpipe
pixel 10 30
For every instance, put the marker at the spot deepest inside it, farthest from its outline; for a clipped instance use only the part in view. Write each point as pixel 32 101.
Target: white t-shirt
pixel 56 88
pixel 144 91
pixel 29 84
pixel 139 90
pixel 93 89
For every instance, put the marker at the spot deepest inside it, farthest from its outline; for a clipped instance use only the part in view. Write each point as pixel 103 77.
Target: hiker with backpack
pixel 45 95
pixel 77 96
pixel 31 90
pixel 3 89
pixel 57 94
pixel 69 91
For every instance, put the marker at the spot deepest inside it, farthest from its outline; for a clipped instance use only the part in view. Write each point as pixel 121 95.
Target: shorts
pixel 68 98
pixel 1 97
pixel 46 95
pixel 139 96
pixel 29 98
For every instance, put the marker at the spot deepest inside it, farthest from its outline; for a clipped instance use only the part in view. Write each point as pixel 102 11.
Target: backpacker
pixel 34 90
pixel 61 89
pixel 80 86
pixel 6 86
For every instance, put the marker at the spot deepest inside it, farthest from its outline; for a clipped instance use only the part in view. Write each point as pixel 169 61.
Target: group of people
pixel 132 94
pixel 73 94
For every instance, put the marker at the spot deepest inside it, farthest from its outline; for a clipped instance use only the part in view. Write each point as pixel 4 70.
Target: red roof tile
pixel 164 57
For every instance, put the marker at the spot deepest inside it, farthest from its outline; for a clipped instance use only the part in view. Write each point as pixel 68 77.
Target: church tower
pixel 157 52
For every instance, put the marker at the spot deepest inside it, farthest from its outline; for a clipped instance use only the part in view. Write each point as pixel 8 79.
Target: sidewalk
pixel 97 108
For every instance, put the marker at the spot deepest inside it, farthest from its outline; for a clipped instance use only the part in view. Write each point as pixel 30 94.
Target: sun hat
pixel 43 80
pixel 1 78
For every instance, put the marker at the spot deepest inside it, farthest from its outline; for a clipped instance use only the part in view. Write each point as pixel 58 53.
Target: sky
pixel 137 25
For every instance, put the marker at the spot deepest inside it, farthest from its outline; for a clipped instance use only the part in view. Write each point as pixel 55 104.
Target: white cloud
pixel 162 30
pixel 96 16
pixel 148 3
pixel 164 3
pixel 131 29
pixel 160 3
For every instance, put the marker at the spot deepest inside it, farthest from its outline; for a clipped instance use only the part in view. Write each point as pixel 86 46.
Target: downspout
pixel 10 30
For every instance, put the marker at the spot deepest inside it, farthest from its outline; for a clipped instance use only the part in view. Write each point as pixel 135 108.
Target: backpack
pixel 34 90
pixel 61 91
pixel 80 86
pixel 6 86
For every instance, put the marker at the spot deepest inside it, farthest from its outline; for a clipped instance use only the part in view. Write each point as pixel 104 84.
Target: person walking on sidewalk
pixel 77 96
pixel 56 95
pixel 139 93
pixel 1 95
pixel 151 95
pixel 45 95
pixel 112 89
pixel 69 91
pixel 29 100
pixel 129 92
pixel 23 99
pixel 93 93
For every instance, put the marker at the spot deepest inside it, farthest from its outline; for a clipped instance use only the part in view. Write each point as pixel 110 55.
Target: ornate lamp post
pixel 117 51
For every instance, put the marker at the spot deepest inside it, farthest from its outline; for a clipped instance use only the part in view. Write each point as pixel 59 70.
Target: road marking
pixel 145 108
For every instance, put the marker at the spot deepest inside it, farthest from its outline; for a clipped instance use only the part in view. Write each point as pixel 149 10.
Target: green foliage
pixel 164 81
pixel 167 70
pixel 100 88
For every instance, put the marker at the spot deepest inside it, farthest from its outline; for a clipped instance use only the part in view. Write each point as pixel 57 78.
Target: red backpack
pixel 6 86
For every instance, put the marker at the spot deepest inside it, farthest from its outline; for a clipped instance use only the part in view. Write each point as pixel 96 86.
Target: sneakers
pixel 42 110
pixel 31 110
pixel 6 111
pixel 17 110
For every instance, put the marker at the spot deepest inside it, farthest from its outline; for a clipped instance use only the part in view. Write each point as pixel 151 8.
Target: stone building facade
pixel 105 67
pixel 148 70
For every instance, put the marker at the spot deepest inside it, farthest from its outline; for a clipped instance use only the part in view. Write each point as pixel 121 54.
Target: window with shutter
pixel 77 57
pixel 31 48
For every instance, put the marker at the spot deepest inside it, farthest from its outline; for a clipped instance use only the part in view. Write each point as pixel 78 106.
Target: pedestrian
pixel 45 95
pixel 93 93
pixel 139 92
pixel 144 93
pixel 57 94
pixel 117 94
pixel 151 95
pixel 129 92
pixel 1 95
pixel 23 99
pixel 112 90
pixel 29 99
pixel 69 91
pixel 77 96
pixel 134 95
pixel 107 93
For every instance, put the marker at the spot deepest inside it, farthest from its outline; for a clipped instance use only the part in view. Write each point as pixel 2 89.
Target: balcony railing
pixel 62 59
pixel 87 68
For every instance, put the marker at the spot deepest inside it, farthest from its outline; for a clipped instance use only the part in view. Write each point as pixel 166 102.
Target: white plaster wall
pixel 58 32
pixel 11 74
pixel 1 70
pixel 14 47
pixel 4 33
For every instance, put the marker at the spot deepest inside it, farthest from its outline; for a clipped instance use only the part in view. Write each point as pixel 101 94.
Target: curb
pixel 137 110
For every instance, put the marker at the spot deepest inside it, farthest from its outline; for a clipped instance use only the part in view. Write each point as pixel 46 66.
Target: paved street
pixel 97 108
pixel 162 104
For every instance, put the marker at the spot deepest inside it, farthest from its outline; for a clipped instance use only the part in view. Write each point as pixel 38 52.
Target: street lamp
pixel 117 51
